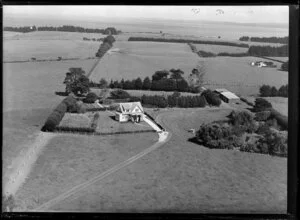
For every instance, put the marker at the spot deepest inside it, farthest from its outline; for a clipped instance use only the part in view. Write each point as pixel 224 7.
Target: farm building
pixel 263 64
pixel 227 96
pixel 129 111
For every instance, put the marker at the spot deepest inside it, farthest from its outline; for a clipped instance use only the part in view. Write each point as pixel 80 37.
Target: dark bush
pixel 211 98
pixel 90 98
pixel 70 101
pixel 202 53
pixel 261 105
pixel 281 119
pixel 95 121
pixel 135 99
pixel 262 116
pixel 119 94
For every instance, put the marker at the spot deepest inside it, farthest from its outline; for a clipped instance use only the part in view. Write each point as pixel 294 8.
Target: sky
pixel 240 14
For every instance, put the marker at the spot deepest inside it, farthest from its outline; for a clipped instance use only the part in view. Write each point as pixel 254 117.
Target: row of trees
pixel 92 39
pixel 162 80
pixel 66 28
pixel 25 29
pixel 188 41
pixel 271 91
pixel 282 51
pixel 252 51
pixel 105 46
pixel 280 40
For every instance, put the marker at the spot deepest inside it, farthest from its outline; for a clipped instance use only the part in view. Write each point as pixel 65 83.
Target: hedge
pixel 211 98
pixel 55 117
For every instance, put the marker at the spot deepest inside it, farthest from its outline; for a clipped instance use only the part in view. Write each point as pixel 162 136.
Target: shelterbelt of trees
pixel 266 51
pixel 65 28
pixel 280 40
pixel 188 41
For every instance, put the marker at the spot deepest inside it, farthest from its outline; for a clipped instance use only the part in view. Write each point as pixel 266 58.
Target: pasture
pixel 69 160
pixel 237 75
pixel 141 59
pixel 220 48
pixel 185 177
pixel 48 45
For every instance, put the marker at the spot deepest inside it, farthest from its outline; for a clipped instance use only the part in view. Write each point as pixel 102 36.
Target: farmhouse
pixel 227 96
pixel 129 111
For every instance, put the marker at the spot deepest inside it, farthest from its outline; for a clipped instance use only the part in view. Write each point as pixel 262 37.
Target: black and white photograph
pixel 145 109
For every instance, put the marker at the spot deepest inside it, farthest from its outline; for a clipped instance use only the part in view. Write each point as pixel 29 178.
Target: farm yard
pixel 180 176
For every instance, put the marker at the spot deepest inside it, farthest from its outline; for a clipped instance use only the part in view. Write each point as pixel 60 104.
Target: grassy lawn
pixel 69 160
pixel 107 124
pixel 185 177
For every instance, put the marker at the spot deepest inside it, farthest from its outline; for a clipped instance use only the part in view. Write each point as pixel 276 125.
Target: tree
pixel 146 83
pixel 182 85
pixel 196 78
pixel 283 91
pixel 158 75
pixel 274 91
pixel 122 83
pixel 261 105
pixel 138 83
pixel 176 74
pixel 265 91
pixel 111 84
pixel 103 83
pixel 76 81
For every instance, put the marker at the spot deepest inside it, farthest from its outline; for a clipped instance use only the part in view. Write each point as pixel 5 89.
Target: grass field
pixel 220 49
pixel 141 59
pixel 48 45
pixel 185 177
pixel 236 74
pixel 33 85
pixel 69 160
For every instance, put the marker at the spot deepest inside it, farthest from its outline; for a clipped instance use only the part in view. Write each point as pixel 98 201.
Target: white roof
pixel 230 95
pixel 128 107
pixel 221 90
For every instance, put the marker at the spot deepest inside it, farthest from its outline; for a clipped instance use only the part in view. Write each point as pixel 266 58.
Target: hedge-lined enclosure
pixel 242 132
pixel 69 104
pixel 280 40
pixel 187 41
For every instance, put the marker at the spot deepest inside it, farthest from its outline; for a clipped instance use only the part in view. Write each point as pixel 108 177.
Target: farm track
pixel 163 138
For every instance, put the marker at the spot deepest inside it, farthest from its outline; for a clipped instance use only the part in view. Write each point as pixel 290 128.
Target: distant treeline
pixel 92 39
pixel 252 51
pixel 272 91
pixel 66 28
pixel 187 41
pixel 280 40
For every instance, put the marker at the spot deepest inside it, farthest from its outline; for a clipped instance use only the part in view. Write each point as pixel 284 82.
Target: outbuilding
pixel 229 97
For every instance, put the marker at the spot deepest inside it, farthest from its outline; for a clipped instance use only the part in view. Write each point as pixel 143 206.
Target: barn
pixel 129 111
pixel 227 96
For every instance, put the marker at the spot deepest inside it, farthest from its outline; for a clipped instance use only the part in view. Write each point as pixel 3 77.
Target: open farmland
pixel 141 59
pixel 237 75
pixel 32 85
pixel 184 177
pixel 69 160
pixel 220 48
pixel 48 45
